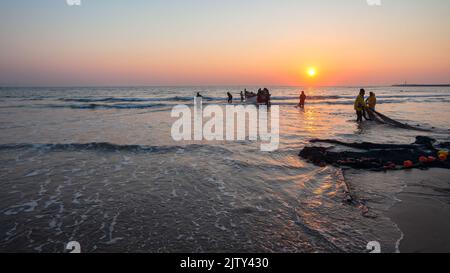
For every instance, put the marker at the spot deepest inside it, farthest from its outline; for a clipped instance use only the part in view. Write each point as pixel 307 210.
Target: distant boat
pixel 252 98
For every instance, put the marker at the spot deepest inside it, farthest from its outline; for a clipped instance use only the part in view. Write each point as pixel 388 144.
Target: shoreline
pixel 416 203
pixel 422 212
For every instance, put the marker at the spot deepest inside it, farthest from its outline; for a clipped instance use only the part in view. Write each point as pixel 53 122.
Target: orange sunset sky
pixel 223 42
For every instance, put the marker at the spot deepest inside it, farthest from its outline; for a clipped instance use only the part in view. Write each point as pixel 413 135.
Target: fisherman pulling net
pixel 424 153
pixel 363 107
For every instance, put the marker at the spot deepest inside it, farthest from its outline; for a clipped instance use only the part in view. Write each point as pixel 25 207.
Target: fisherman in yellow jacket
pixel 360 106
pixel 371 101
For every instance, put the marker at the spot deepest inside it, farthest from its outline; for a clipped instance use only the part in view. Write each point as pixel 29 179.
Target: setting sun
pixel 312 72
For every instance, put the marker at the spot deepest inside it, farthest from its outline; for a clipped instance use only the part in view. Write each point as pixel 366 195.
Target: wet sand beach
pixel 423 214
pixel 419 206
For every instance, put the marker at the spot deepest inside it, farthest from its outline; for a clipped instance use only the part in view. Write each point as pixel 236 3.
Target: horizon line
pixel 218 85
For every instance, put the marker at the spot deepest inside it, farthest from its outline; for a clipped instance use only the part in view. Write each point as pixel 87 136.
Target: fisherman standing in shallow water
pixel 360 105
pixel 371 101
pixel 230 98
pixel 302 100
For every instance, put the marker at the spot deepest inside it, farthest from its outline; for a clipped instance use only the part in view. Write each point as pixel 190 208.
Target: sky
pixel 223 42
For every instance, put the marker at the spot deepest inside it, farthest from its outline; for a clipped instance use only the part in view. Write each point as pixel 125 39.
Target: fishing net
pixel 380 118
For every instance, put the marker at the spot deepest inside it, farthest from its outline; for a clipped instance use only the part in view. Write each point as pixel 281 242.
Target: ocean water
pixel 99 166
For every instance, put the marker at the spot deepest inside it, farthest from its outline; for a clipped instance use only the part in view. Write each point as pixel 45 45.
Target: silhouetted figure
pixel 242 95
pixel 268 97
pixel 371 101
pixel 302 100
pixel 264 96
pixel 198 95
pixel 360 106
pixel 230 98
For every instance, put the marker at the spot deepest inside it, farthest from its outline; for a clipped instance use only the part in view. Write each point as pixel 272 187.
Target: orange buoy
pixel 423 159
pixel 408 164
pixel 443 157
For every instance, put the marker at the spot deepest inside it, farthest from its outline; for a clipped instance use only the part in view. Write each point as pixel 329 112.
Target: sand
pixel 416 201
pixel 423 215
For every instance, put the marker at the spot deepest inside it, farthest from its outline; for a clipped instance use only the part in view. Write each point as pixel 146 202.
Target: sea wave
pixel 90 106
pixel 275 98
pixel 93 101
pixel 113 99
pixel 111 147
pixel 106 106
pixel 130 106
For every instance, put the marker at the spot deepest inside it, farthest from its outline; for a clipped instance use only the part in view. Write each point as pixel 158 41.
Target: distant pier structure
pixel 421 85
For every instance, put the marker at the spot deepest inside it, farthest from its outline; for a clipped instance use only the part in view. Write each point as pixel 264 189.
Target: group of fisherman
pixel 362 105
pixel 262 97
